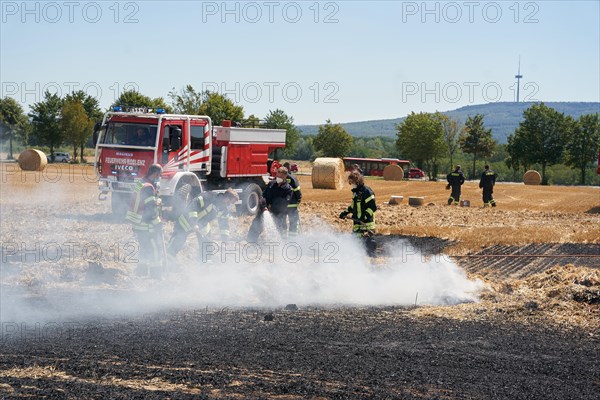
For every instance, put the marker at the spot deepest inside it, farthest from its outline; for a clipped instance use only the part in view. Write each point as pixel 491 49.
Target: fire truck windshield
pixel 130 134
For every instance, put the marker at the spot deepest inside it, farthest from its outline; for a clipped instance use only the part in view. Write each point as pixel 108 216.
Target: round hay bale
pixel 393 172
pixel 32 160
pixel 532 177
pixel 416 201
pixel 328 173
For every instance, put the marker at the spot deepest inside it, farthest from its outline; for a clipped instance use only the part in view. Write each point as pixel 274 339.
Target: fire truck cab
pixel 195 156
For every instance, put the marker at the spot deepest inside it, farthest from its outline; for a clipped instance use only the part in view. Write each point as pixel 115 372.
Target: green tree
pixel 90 104
pixel 76 125
pixel 304 149
pixel 583 143
pixel 420 138
pixel 13 123
pixel 332 140
pixel 133 98
pixel 280 120
pixel 540 137
pixel 92 109
pixel 45 120
pixel 476 140
pixel 188 100
pixel 369 147
pixel 218 107
pixel 251 122
pixel 517 157
pixel 452 130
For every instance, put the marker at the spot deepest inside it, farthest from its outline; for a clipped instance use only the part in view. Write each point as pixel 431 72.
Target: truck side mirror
pixel 95 135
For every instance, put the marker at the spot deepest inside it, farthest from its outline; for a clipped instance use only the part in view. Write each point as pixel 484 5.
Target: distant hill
pixel 503 118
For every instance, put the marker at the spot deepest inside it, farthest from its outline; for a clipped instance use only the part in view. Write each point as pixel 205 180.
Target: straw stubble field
pixel 533 334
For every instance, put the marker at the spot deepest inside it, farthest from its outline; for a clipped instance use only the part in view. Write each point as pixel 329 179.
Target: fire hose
pixel 365 232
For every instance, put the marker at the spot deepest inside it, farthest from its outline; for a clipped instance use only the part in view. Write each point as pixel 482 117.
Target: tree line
pixel 545 137
pixel 58 121
pixel 432 141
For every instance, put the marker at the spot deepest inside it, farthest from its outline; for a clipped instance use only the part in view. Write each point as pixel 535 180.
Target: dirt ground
pixel 532 334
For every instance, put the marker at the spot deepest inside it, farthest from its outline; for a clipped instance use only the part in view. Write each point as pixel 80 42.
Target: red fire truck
pixel 196 156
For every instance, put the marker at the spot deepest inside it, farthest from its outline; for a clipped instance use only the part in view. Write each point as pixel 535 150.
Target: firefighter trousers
pixel 368 241
pixel 487 197
pixel 178 240
pixel 294 221
pixel 150 246
pixel 455 195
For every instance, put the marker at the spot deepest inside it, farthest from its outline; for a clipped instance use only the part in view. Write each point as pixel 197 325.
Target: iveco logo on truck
pixel 120 167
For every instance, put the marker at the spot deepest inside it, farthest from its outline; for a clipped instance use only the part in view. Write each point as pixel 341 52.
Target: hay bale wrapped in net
pixel 532 177
pixel 328 173
pixel 393 172
pixel 32 160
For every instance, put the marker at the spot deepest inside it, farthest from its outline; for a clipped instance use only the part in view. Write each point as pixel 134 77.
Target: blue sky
pixel 339 60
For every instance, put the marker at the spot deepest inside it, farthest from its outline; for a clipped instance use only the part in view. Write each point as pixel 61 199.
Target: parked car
pixel 416 173
pixel 58 156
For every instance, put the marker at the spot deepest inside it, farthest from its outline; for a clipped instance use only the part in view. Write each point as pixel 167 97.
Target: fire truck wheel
pixel 183 196
pixel 250 199
pixel 119 203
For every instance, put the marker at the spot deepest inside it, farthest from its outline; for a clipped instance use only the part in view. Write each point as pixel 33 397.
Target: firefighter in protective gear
pixel 197 216
pixel 144 215
pixel 487 182
pixel 363 209
pixel 275 198
pixel 455 180
pixel 293 215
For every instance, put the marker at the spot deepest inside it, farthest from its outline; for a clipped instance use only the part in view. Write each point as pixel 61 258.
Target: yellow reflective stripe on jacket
pixel 183 222
pixel 368 199
pixel 294 205
pixel 205 212
pixel 133 217
pixel 205 230
pixel 296 189
pixel 369 211
pixel 133 214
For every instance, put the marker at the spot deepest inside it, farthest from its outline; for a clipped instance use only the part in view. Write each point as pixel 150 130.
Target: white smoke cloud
pixel 324 268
